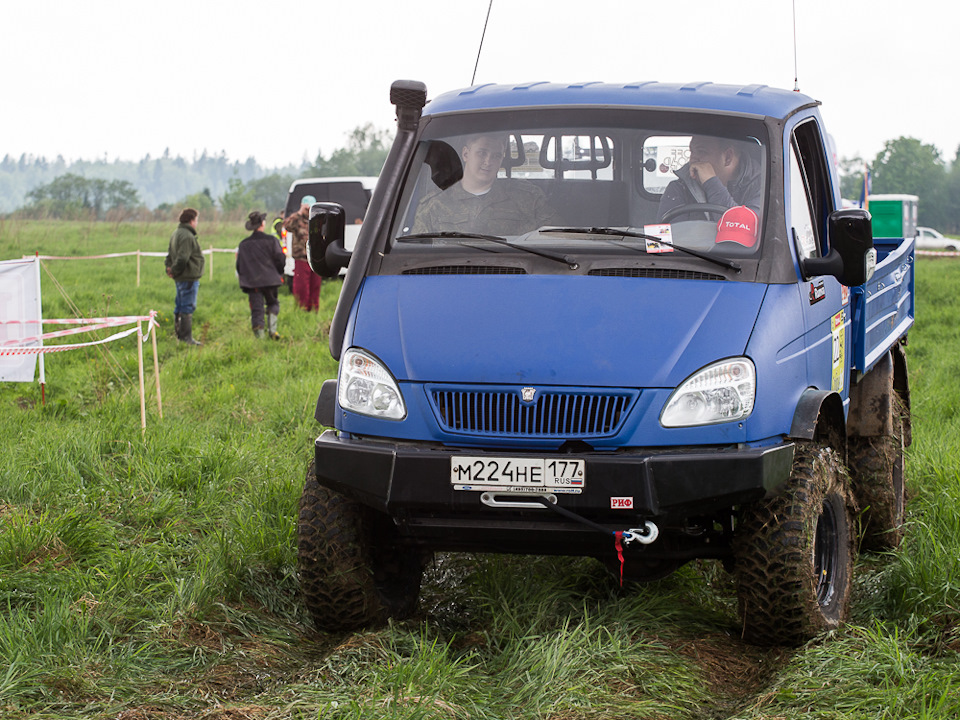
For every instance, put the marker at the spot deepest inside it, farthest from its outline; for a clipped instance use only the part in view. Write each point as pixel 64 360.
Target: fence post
pixel 155 326
pixel 143 404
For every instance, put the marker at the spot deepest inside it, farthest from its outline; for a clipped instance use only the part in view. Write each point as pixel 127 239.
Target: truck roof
pixel 757 100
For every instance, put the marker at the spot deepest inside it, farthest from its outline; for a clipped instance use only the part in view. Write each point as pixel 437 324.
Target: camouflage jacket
pixel 298 225
pixel 511 207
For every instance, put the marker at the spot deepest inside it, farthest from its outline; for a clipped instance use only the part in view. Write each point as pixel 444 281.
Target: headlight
pixel 722 392
pixel 367 387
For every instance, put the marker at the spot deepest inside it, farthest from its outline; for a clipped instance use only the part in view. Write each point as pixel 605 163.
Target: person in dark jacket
pixel 260 262
pixel 720 172
pixel 184 264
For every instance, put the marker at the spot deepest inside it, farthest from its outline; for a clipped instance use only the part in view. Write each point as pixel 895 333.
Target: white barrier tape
pixel 89 325
pixel 81 257
pixel 205 252
pixel 61 333
pixel 938 253
pixel 118 320
pixel 61 348
pixel 123 254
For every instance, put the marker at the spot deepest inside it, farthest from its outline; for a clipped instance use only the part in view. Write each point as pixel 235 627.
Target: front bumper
pixel 412 484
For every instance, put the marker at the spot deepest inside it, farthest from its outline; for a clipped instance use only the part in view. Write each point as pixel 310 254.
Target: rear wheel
pixel 794 553
pixel 877 464
pixel 353 570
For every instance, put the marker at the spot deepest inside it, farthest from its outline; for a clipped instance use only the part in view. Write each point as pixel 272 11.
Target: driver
pixel 481 202
pixel 720 172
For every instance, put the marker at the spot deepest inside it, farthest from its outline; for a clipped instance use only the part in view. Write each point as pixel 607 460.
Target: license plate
pixel 510 474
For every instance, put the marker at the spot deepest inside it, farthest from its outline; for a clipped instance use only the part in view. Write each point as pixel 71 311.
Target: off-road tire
pixel 794 553
pixel 353 571
pixel 877 468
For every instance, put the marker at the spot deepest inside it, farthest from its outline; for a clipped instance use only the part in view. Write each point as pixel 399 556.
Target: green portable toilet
pixel 894 216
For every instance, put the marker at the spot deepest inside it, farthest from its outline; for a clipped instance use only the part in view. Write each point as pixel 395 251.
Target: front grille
pixel 551 414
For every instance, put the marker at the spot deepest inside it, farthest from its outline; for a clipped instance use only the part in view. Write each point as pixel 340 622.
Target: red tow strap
pixel 617 535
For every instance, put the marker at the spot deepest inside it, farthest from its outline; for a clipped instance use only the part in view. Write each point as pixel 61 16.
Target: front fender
pixel 819 413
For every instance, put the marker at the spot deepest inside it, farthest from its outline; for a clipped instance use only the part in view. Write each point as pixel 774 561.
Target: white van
pixel 352 192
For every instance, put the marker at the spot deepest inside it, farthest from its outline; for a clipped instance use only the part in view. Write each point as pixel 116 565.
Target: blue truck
pixel 631 322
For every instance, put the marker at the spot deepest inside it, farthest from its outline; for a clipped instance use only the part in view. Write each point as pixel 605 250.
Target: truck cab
pixel 625 321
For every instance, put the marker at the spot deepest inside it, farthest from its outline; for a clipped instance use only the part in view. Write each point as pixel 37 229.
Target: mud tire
pixel 794 553
pixel 877 467
pixel 353 571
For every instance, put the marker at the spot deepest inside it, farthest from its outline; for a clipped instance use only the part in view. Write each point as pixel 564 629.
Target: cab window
pixel 810 199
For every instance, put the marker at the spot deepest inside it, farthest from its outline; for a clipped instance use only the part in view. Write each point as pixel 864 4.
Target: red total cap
pixel 739 225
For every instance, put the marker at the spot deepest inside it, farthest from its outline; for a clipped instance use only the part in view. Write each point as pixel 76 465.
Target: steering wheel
pixel 709 208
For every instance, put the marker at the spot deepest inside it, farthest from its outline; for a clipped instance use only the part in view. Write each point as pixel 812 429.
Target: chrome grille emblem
pixel 528 393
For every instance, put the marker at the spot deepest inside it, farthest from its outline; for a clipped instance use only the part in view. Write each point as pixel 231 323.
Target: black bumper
pixel 412 484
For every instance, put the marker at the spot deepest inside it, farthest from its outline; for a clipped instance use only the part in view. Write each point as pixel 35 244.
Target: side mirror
pixel 852 257
pixel 325 249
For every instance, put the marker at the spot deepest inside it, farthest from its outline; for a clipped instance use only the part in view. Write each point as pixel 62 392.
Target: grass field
pixel 153 575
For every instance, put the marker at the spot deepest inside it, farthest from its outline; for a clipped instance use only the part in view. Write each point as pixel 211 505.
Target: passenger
pixel 482 203
pixel 720 172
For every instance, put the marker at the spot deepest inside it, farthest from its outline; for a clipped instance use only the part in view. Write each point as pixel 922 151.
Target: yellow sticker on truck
pixel 837 328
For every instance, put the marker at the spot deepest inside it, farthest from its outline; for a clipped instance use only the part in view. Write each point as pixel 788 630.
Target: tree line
pixel 158 187
pixel 908 166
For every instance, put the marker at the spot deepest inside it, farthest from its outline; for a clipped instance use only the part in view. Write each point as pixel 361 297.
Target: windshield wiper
pixel 448 235
pixel 722 262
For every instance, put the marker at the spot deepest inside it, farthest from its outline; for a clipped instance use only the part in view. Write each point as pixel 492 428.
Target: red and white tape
pixel 15 347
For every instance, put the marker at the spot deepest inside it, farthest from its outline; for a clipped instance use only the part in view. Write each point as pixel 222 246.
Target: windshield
pixel 566 181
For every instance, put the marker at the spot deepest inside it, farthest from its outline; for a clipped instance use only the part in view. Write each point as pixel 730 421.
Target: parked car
pixel 930 239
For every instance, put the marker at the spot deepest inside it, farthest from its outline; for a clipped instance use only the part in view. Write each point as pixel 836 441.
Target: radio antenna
pixel 482 36
pixel 796 75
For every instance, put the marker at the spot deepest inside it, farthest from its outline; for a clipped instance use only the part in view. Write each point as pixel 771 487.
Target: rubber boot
pixel 176 325
pixel 272 326
pixel 186 330
pixel 258 332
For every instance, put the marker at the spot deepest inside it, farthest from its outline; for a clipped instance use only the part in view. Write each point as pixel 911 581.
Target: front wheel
pixel 794 553
pixel 353 570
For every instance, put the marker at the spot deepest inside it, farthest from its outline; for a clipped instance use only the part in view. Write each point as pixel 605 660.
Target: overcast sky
pixel 282 80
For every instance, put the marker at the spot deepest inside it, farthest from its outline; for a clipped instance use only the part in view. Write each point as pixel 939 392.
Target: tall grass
pixel 153 575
